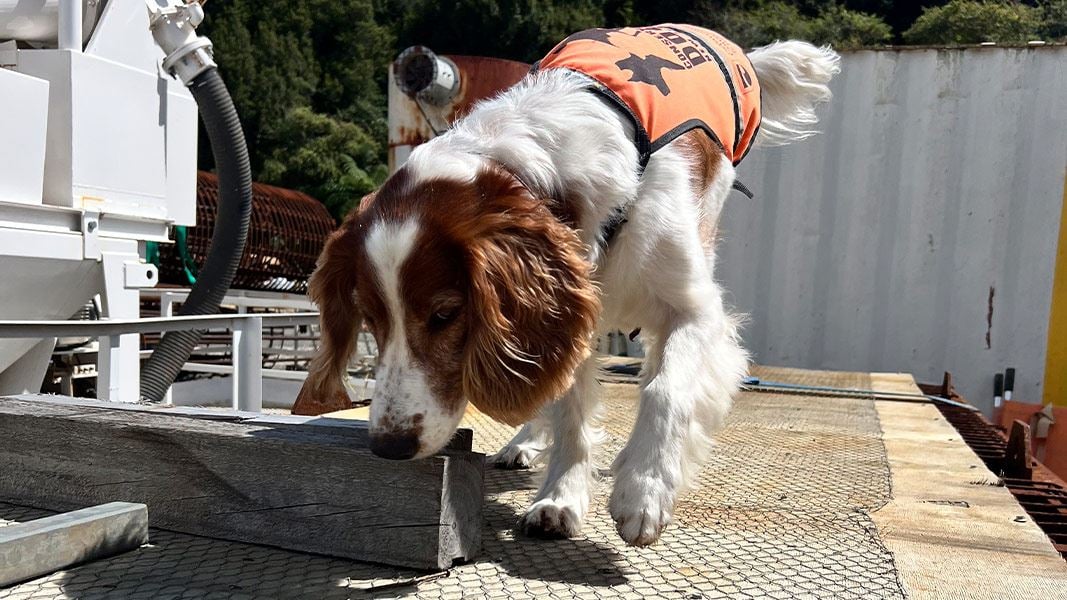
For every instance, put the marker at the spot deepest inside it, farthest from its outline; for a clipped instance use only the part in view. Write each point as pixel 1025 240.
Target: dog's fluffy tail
pixel 793 76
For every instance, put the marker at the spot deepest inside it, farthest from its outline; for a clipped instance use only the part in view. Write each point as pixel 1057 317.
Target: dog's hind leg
pixel 526 447
pixel 561 504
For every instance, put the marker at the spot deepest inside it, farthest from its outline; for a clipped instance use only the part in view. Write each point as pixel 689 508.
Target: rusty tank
pixel 418 112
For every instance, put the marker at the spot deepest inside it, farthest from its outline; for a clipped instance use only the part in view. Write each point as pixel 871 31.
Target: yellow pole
pixel 1056 357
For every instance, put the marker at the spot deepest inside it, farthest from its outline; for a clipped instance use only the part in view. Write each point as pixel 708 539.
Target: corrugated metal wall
pixel 931 201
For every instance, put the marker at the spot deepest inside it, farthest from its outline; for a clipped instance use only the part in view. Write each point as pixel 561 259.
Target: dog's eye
pixel 443 316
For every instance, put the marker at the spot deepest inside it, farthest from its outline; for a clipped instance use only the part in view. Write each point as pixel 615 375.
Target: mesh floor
pixel 782 512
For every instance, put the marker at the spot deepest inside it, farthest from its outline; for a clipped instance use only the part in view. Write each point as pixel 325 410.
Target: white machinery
pixel 98 156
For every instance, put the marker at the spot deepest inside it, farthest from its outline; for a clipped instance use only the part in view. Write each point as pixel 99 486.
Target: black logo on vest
pixel 688 54
pixel 649 70
pixel 746 78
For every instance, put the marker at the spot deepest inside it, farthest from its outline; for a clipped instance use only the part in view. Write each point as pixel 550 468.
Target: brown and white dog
pixel 481 269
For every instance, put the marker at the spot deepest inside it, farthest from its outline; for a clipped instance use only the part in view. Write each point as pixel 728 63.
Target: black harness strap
pixel 611 227
pixel 743 189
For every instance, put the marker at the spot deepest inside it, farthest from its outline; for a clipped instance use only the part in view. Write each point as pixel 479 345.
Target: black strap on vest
pixel 743 189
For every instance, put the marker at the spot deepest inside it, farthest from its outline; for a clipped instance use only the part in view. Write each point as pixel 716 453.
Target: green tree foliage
pixel 758 22
pixel 975 21
pixel 266 60
pixel 334 160
pixel 516 29
pixel 308 82
pixel 844 28
pixel 1053 19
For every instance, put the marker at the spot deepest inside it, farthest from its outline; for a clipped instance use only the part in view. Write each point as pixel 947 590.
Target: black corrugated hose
pixel 227 240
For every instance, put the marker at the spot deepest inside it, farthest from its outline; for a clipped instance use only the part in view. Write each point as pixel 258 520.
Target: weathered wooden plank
pixel 43 546
pixel 308 487
pixel 463 440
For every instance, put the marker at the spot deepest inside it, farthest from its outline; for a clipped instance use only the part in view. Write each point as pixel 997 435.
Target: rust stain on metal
pixel 989 319
pixel 407 136
pixel 480 78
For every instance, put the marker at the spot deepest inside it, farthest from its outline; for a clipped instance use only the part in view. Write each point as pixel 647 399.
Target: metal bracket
pixel 138 275
pixel 91 234
pixel 1018 456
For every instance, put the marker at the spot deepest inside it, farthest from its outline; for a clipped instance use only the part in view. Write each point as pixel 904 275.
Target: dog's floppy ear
pixel 332 286
pixel 534 305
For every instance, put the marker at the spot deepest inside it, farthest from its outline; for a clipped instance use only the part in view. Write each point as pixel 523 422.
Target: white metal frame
pixel 247 341
pixel 118 168
pixel 242 300
pixel 239 299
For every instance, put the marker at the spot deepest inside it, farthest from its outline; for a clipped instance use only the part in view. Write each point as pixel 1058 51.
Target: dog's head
pixel 474 292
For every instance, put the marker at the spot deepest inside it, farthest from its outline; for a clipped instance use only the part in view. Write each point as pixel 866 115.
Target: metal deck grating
pixel 1044 501
pixel 782 512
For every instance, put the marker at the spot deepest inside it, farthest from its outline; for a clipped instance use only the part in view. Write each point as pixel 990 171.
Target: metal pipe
pixel 39 329
pixel 70 25
pixel 248 365
pixel 757 385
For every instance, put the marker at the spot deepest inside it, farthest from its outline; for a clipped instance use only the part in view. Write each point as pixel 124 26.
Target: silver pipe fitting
pixel 174 29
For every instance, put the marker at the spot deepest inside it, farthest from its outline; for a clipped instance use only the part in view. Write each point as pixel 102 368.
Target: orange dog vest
pixel 669 79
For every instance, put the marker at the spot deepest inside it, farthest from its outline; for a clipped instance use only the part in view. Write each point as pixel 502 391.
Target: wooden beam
pixel 306 484
pixel 43 546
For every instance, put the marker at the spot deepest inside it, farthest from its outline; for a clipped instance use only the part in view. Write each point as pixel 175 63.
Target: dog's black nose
pixel 394 445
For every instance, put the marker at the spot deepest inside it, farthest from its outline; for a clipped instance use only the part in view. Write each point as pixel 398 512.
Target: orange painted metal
pixel 1051 451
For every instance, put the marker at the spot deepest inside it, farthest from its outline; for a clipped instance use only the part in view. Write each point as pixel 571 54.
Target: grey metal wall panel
pixel 876 245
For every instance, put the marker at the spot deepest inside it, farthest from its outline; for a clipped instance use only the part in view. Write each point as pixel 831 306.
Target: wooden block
pixel 306 484
pixel 346 425
pixel 43 546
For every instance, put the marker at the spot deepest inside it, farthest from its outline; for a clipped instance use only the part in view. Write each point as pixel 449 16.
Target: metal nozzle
pixel 423 75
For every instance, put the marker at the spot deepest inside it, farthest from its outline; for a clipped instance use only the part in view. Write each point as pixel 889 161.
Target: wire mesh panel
pixel 782 511
pixel 285 236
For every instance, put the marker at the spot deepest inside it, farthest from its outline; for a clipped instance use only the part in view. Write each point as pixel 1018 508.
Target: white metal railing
pixel 247 332
pixel 239 299
pixel 242 300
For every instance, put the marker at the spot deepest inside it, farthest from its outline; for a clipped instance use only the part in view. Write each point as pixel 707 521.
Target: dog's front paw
pixel 552 519
pixel 641 505
pixel 516 456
